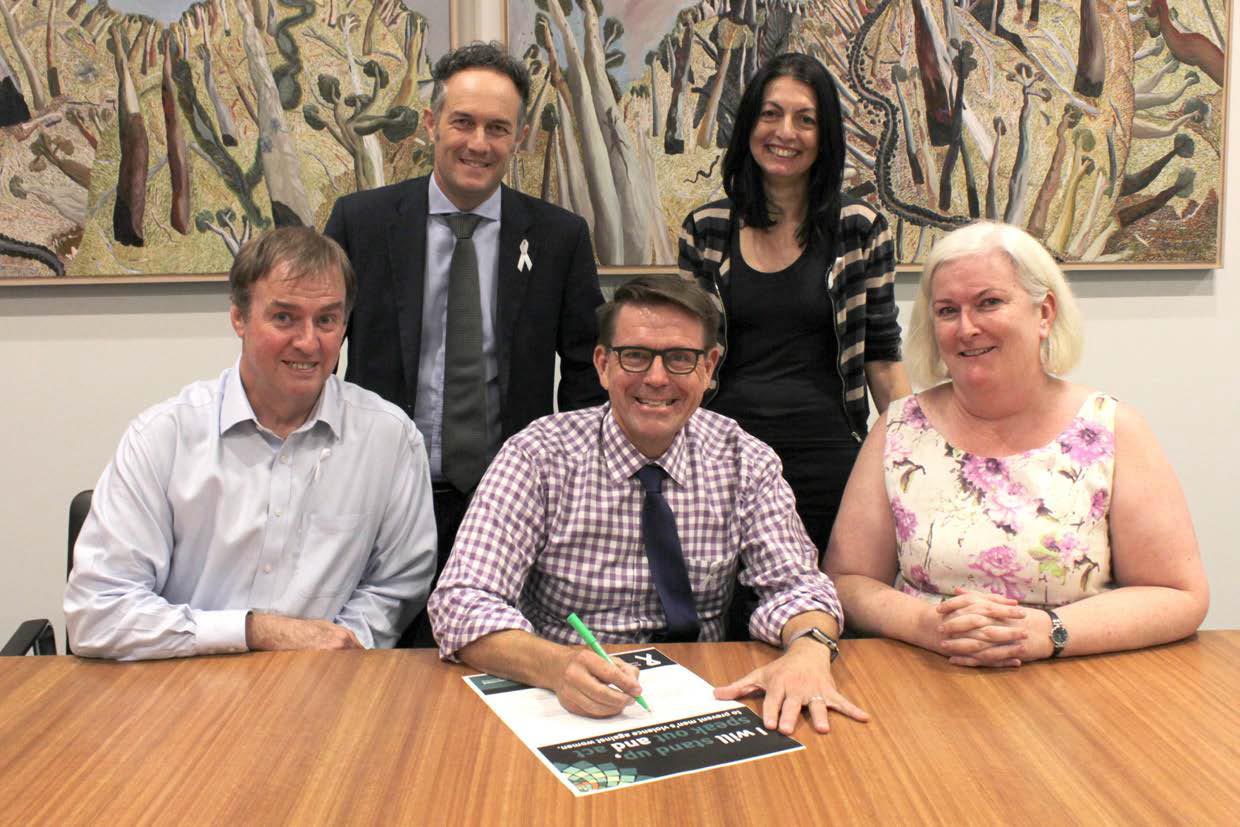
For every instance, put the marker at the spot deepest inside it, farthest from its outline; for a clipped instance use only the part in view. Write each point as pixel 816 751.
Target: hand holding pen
pixel 624 685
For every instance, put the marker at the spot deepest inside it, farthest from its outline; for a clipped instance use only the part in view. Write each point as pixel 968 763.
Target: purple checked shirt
pixel 555 527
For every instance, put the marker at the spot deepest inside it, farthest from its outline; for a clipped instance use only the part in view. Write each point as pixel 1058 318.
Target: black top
pixel 781 378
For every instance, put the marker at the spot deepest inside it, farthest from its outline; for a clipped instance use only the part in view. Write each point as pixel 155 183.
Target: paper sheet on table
pixel 688 729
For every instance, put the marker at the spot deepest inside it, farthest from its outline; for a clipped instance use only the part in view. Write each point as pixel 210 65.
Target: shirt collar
pixel 235 405
pixel 623 459
pixel 439 204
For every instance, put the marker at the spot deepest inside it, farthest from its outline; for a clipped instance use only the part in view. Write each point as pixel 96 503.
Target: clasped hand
pixel 982 629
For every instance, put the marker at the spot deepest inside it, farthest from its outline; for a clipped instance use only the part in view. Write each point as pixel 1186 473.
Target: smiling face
pixel 652 406
pixel 784 140
pixel 290 343
pixel 475 133
pixel 988 328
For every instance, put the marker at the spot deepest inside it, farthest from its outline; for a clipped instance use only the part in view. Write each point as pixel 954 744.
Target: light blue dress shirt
pixel 440 242
pixel 204 515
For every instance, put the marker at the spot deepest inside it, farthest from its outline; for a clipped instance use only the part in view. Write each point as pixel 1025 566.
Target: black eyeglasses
pixel 679 360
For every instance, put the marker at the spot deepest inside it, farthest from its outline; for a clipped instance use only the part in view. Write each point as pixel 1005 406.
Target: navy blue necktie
pixel 667 561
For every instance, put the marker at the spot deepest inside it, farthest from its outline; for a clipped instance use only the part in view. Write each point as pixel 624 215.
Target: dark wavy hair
pixel 742 177
pixel 479 55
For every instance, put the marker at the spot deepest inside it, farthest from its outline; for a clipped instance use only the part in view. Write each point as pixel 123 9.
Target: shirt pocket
pixel 711 579
pixel 331 560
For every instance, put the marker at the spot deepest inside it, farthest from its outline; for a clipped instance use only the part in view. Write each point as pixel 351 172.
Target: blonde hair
pixel 1036 272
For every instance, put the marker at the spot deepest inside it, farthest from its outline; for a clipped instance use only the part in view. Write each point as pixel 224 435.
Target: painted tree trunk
pixel 1141 179
pixel 53 73
pixel 1091 53
pixel 223 115
pixel 1018 183
pixel 34 81
pixel 367 152
pixel 178 165
pixel 134 52
pixel 415 33
pixel 149 53
pixel 656 116
pixel 1190 47
pixel 130 207
pixel 645 241
pixel 706 127
pixel 368 30
pixel 1058 239
pixel 1077 246
pixel 934 74
pixel 533 114
pixel 548 164
pixel 281 166
pixel 1050 184
pixel 673 142
pixel 608 236
pixel 576 182
pixel 1183 187
pixel 992 177
pixel 910 151
pixel 205 137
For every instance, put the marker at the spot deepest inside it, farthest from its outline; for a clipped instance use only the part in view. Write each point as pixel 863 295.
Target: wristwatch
pixel 1059 634
pixel 820 636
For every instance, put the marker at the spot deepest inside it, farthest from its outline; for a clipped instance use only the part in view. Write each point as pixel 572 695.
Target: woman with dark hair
pixel 804 276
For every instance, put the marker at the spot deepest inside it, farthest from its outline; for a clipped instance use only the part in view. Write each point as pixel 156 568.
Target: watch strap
pixel 1059 634
pixel 821 637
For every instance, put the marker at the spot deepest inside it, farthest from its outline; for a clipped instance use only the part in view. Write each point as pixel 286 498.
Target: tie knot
pixel 463 224
pixel 651 477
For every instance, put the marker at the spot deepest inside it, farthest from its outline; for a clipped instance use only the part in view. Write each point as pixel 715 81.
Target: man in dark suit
pixel 467 289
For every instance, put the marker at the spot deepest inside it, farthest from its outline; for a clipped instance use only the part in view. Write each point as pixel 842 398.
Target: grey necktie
pixel 464 381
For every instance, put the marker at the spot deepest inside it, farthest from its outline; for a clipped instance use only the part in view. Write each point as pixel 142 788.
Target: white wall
pixel 82 361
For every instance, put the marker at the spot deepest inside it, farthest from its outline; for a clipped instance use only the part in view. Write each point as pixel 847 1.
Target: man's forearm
pixel 520 656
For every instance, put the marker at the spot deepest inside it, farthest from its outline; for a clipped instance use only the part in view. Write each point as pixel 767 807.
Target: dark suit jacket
pixel 542 311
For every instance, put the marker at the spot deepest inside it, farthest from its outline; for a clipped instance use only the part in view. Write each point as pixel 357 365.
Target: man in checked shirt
pixel 556 527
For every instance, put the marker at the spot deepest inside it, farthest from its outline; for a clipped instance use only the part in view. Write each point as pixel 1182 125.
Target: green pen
pixel 588 636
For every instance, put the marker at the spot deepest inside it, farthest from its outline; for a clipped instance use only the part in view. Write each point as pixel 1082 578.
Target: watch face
pixel 1059 636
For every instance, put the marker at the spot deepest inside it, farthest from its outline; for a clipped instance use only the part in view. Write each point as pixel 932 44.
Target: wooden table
pixel 395 737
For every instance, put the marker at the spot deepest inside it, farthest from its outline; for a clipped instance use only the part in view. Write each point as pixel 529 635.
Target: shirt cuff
pixel 219 631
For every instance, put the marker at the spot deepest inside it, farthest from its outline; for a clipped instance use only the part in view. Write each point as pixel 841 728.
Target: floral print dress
pixel 1033 526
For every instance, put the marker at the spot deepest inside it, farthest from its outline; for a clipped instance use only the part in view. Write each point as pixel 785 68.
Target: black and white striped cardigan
pixel 860 284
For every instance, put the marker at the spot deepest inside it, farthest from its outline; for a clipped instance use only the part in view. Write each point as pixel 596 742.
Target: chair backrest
pixel 79 507
pixel 37 636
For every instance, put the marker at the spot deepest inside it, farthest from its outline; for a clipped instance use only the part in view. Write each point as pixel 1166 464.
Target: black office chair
pixel 38 636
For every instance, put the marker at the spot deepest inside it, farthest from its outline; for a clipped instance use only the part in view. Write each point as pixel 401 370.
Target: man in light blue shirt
pixel 276 507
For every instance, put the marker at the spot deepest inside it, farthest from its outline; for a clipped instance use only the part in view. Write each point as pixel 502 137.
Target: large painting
pixel 149 139
pixel 1095 124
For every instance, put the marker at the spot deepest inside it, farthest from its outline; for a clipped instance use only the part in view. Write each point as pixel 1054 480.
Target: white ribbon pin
pixel 524 262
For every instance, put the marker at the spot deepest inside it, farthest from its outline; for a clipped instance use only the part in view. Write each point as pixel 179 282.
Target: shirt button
pixel 267 569
pixel 284 458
